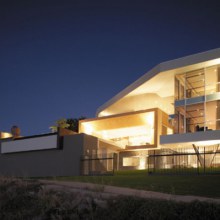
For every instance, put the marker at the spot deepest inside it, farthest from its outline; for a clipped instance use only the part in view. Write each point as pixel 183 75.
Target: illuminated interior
pixel 162 99
pixel 5 135
pixel 131 161
pixel 133 129
pixel 139 162
pixel 159 91
pixel 197 95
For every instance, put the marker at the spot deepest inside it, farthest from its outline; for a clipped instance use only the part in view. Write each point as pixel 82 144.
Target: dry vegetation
pixel 22 199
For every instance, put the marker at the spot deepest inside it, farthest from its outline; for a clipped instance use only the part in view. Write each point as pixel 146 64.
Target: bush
pixel 136 208
pixel 20 199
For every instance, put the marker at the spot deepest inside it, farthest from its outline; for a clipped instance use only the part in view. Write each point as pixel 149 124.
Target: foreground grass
pixel 21 199
pixel 199 185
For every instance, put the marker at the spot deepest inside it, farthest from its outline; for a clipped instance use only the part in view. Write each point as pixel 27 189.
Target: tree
pixel 61 123
pixel 74 123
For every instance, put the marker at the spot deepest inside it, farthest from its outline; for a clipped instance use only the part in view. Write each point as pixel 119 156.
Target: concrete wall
pixel 211 137
pixel 90 144
pixel 30 144
pixel 53 162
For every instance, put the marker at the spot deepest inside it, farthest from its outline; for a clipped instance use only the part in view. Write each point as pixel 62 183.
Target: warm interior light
pixel 131 136
pixel 88 129
pixel 126 130
pixel 142 164
pixel 150 119
pixel 104 113
pixel 131 161
pixel 207 143
pixel 169 131
pixel 5 135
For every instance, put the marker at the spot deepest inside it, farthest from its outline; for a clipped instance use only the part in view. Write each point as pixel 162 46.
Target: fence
pixel 198 160
pixel 98 165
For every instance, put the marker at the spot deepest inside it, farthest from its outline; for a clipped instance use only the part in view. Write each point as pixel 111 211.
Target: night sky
pixel 64 59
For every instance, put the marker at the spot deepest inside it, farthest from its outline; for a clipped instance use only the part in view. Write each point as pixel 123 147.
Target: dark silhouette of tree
pixel 74 123
pixel 61 123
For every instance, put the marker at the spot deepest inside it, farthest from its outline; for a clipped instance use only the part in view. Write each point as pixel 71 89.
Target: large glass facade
pixel 197 100
pixel 128 130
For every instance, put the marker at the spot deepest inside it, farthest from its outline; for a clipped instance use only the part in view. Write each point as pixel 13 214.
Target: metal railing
pixel 201 161
pixel 98 164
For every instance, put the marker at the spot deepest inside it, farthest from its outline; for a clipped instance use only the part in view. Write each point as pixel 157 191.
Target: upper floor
pixel 186 90
pixel 158 88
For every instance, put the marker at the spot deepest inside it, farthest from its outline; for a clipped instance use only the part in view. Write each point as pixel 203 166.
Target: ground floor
pixel 194 159
pixel 146 139
pixel 59 154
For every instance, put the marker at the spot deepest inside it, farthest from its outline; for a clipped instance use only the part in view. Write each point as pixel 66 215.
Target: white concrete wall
pixel 30 144
pixel 201 138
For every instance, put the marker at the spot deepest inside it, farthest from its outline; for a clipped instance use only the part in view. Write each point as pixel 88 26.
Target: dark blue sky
pixel 66 58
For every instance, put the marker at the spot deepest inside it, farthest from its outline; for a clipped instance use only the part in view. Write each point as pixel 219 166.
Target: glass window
pixel 179 120
pixel 179 86
pixel 195 115
pixel 193 87
pixel 213 115
pixel 195 83
pixel 212 79
pixel 131 161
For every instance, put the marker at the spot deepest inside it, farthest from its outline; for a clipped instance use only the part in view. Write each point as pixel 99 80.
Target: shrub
pixel 18 199
pixel 22 199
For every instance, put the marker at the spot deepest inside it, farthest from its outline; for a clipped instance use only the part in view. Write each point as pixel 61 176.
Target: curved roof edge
pixel 164 66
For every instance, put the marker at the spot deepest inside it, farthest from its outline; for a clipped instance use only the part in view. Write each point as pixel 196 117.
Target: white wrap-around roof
pixel 160 75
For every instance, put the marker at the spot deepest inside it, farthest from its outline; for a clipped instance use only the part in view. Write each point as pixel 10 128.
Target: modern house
pixel 168 118
pixel 172 110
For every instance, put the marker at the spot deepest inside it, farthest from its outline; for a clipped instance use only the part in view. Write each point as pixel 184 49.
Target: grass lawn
pixel 200 185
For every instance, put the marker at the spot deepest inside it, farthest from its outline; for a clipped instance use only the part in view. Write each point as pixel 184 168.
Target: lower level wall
pixel 53 162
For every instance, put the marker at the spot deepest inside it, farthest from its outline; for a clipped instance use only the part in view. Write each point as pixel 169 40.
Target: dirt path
pixel 105 191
